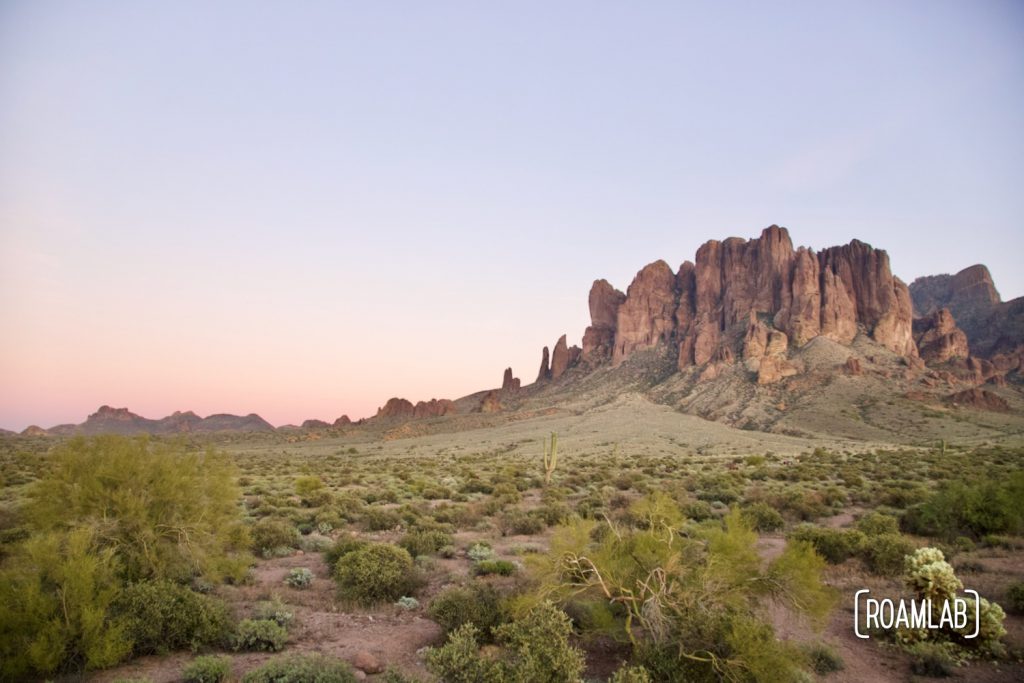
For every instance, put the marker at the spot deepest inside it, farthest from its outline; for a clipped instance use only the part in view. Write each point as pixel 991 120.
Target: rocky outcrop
pixel 491 402
pixel 400 408
pixel 342 421
pixel 993 327
pixel 108 420
pixel 599 337
pixel 509 384
pixel 939 339
pixel 34 430
pixel 852 367
pixel 545 368
pixel 978 399
pixel 396 408
pixel 315 424
pixel 559 358
pixel 646 317
pixel 563 358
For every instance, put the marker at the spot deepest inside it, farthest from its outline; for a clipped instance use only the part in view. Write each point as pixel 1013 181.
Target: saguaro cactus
pixel 550 458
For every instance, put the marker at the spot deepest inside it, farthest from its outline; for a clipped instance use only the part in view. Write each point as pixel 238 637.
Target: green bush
pixel 971 509
pixel 1015 597
pixel 835 545
pixel 345 544
pixel 518 522
pixel 269 534
pixel 425 541
pixel 260 635
pixel 380 572
pixel 275 610
pixel 162 616
pixel 299 577
pixel 934 660
pixel 500 567
pixel 885 554
pixel 631 674
pixel 314 668
pixel 877 524
pixel 534 649
pixel 763 517
pixel 477 603
pixel 823 659
pixel 207 669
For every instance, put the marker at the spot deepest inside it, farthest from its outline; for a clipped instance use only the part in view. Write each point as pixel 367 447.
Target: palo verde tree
pixel 164 511
pixel 688 598
pixel 108 512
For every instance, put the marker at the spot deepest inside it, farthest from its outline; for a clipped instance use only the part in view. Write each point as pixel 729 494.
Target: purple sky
pixel 302 209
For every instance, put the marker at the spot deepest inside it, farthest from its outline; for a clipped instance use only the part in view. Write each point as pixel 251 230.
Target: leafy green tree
pixel 164 511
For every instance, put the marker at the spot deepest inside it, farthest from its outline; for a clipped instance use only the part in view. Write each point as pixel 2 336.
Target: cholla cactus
pixel 550 458
pixel 929 575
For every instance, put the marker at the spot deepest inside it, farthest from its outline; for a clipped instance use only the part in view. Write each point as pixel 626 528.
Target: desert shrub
pixel 407 603
pixel 698 511
pixel 500 567
pixel 345 544
pixel 425 541
pixel 631 674
pixel 275 610
pixel 762 517
pixel 518 522
pixel 876 524
pixel 835 545
pixel 380 572
pixel 823 659
pixel 315 668
pixel 478 552
pixel 884 554
pixel 934 660
pixel 1015 597
pixel 56 592
pixel 161 616
pixel 553 514
pixel 974 509
pixel 299 577
pixel 477 603
pixel 260 635
pixel 207 669
pixel 380 519
pixel 165 511
pixel 312 491
pixel 268 534
pixel 534 649
pixel 690 604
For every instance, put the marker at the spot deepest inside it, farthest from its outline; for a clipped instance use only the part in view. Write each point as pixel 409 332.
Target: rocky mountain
pixel 108 420
pixel 751 300
pixel 752 332
pixel 993 327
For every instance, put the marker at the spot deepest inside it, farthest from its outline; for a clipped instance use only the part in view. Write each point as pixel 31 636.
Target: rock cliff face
pixel 752 299
pixel 994 329
pixel 939 339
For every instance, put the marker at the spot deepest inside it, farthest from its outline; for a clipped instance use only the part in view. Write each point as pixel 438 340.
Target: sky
pixel 303 209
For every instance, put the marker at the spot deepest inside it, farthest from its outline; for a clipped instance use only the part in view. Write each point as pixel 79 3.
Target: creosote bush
pixel 207 669
pixel 161 616
pixel 477 603
pixel 260 635
pixel 379 572
pixel 316 668
pixel 532 649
